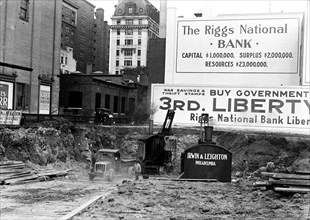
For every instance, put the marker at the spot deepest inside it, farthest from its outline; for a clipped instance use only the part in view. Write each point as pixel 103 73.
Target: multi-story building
pixel 101 43
pixel 134 22
pixel 29 55
pixel 67 62
pixel 88 36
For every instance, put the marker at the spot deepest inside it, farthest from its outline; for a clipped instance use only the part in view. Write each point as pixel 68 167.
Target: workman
pixel 246 167
pixel 137 170
pixel 93 159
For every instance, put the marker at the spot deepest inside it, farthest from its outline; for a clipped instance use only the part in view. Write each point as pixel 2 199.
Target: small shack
pixel 207 161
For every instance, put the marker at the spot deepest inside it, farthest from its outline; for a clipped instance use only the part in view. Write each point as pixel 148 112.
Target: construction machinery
pixel 156 151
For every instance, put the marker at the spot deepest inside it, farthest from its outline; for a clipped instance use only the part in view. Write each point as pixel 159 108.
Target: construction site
pixel 44 174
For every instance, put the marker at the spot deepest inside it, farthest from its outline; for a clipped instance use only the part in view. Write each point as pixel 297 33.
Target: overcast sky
pixel 187 8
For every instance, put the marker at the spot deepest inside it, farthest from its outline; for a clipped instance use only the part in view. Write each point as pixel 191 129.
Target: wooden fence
pixel 35 118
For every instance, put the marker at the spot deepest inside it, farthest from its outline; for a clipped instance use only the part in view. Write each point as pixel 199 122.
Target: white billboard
pixel 239 45
pixel 274 109
pixel 45 99
pixel 6 95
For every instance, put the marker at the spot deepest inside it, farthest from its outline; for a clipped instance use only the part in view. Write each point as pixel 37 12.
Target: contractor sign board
pixel 282 109
pixel 239 45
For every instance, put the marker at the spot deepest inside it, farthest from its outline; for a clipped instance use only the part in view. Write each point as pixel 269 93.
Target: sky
pixel 187 8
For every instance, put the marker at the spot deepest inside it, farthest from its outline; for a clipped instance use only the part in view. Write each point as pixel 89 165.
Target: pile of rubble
pixel 283 180
pixel 286 182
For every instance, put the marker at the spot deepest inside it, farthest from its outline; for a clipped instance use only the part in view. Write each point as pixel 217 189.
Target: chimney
pixel 163 19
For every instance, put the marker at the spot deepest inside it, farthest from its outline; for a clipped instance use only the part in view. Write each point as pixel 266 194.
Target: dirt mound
pixel 259 149
pixel 61 142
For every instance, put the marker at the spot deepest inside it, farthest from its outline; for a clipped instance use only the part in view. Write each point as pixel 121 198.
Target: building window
pixel 139 41
pixel 107 101
pixel 139 63
pixel 24 10
pixel 128 42
pixel 140 21
pixel 115 104
pixel 117 42
pixel 98 100
pixel 129 32
pixel 22 95
pixel 66 60
pixel 118 22
pixel 128 52
pixel 123 105
pixel 139 52
pixel 116 72
pixel 131 105
pixel 127 62
pixel 75 99
pixel 61 59
pixel 118 32
pixel 117 52
pixel 117 63
pixel 129 22
pixel 139 32
pixel 129 10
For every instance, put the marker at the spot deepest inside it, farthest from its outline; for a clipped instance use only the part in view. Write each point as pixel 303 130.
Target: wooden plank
pixel 15 166
pixel 295 182
pixel 302 172
pixel 268 174
pixel 15 176
pixel 83 207
pixel 11 163
pixel 16 180
pixel 290 176
pixel 55 173
pixel 8 173
pixel 261 183
pixel 11 170
pixel 196 180
pixel 292 190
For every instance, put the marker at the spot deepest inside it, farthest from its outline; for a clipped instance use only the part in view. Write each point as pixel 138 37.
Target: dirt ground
pixel 157 198
pixel 50 199
pixel 64 146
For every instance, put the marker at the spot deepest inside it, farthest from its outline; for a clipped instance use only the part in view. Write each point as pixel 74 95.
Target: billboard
pixel 10 117
pixel 239 45
pixel 6 95
pixel 248 108
pixel 45 93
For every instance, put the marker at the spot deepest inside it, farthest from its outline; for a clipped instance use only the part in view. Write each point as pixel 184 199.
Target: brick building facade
pixel 87 33
pixel 29 55
pixel 88 92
